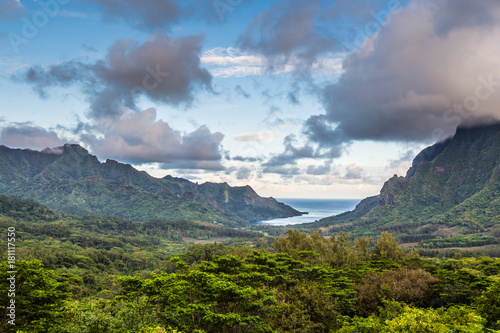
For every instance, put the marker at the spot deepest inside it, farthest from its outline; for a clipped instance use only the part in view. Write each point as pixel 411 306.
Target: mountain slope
pixel 71 180
pixel 454 185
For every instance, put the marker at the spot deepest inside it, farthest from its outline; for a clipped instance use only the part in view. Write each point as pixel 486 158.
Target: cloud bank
pixel 164 69
pixel 426 72
pixel 26 135
pixel 138 137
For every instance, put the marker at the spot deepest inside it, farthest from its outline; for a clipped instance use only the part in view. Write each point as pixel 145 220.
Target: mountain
pixel 70 180
pixel 452 189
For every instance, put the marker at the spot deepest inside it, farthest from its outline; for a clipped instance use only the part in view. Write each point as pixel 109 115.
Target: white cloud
pixel 232 62
pixel 260 137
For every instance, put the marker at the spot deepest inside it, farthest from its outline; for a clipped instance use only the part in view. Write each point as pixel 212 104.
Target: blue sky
pixel 319 99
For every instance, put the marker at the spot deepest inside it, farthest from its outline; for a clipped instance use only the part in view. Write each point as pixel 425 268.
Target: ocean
pixel 317 208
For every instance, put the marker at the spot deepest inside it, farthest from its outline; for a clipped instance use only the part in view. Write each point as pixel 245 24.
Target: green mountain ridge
pixel 452 189
pixel 70 180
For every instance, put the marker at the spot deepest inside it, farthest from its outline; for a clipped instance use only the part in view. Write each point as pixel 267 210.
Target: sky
pixel 298 99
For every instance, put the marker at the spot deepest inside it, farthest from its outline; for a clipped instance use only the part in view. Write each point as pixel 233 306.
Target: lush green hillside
pixel 453 189
pixel 48 235
pixel 71 180
pixel 111 275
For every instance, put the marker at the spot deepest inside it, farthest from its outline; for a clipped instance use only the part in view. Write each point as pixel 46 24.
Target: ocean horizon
pixel 316 208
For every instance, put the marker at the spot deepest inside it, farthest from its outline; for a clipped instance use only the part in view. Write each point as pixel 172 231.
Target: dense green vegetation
pixel 453 190
pixel 73 181
pixel 369 286
pixel 107 274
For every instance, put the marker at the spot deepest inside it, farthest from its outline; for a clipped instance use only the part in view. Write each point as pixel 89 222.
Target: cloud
pixel 25 135
pixel 244 173
pixel 239 90
pixel 404 158
pixel 148 15
pixel 285 29
pixel 10 9
pixel 309 150
pixel 164 69
pixel 417 79
pixel 354 172
pixel 304 31
pixel 320 169
pixel 293 94
pixel 290 155
pixel 233 62
pixel 329 180
pixel 463 14
pixel 245 159
pixel 281 170
pixel 67 13
pixel 54 150
pixel 138 137
pixel 319 130
pixel 353 176
pixel 259 137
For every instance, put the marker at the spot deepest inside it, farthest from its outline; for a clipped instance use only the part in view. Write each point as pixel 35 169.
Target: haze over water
pixel 317 209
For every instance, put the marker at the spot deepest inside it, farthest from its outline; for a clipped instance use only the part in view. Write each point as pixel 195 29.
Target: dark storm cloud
pixel 151 14
pixel 138 137
pixel 410 84
pixel 284 29
pixel 298 31
pixel 318 129
pixel 463 14
pixel 165 69
pixel 10 9
pixel 27 136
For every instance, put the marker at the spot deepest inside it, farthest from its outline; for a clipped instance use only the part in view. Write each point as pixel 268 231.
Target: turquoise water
pixel 317 208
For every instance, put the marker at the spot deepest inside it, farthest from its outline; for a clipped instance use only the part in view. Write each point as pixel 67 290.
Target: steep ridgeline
pixel 452 189
pixel 72 181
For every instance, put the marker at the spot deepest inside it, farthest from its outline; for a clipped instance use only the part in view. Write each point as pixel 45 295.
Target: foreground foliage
pixel 310 284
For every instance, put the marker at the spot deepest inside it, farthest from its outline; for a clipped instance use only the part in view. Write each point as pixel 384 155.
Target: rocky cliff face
pixel 427 155
pixel 455 183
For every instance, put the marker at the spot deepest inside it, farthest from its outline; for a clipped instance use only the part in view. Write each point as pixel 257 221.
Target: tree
pixel 387 248
pixel 488 305
pixel 40 297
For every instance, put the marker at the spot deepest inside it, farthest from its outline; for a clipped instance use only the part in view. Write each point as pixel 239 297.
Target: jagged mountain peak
pixel 71 180
pixel 453 184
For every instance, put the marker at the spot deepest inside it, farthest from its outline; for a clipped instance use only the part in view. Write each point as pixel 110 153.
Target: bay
pixel 317 209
